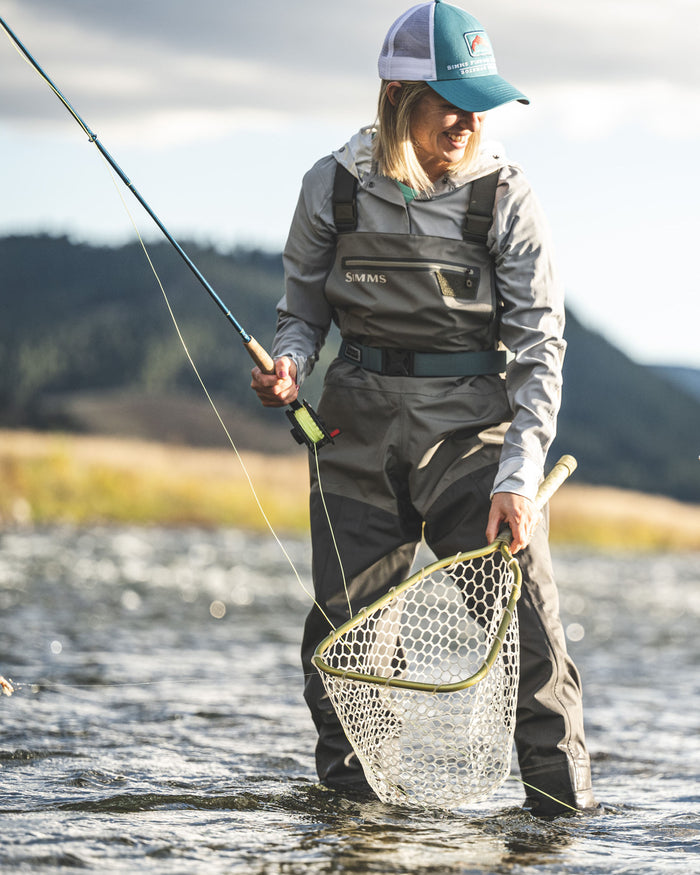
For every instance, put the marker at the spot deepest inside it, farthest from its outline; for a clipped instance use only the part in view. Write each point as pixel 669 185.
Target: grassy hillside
pixel 87 344
pixel 61 478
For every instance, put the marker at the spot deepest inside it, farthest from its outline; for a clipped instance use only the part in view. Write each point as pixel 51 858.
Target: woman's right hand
pixel 278 389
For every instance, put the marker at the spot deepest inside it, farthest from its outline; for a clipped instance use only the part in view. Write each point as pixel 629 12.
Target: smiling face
pixel 420 135
pixel 440 132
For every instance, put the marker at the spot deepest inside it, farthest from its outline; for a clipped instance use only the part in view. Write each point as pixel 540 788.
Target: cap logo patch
pixel 478 43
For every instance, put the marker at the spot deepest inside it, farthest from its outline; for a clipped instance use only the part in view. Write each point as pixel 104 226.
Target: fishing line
pixel 539 790
pixel 211 400
pixel 24 56
pixel 308 428
pixel 8 687
pixel 335 543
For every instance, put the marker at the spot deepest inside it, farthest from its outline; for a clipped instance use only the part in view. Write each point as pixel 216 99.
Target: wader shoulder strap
pixel 477 221
pixel 479 216
pixel 344 200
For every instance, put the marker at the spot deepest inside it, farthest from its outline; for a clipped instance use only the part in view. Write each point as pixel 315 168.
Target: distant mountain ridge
pixel 86 343
pixel 686 378
pixel 627 424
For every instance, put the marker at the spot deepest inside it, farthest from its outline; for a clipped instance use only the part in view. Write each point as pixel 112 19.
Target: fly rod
pixel 308 428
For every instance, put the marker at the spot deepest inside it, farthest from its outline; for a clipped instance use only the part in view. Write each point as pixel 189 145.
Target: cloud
pixel 184 88
pixel 196 71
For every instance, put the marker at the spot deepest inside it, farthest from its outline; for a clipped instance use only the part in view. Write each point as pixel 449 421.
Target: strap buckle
pixel 352 353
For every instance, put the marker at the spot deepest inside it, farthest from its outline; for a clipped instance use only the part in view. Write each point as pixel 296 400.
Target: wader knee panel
pixel 549 732
pixel 377 550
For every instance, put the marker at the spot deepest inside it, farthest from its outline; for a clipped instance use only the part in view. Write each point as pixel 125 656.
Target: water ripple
pixel 151 734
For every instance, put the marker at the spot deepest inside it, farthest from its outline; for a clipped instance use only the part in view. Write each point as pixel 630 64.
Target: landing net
pixel 425 681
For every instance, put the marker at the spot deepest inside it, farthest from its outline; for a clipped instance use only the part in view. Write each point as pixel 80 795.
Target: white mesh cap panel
pixel 447 47
pixel 407 53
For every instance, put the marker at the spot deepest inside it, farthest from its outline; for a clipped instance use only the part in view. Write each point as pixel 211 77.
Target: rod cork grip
pixel 564 468
pixel 261 358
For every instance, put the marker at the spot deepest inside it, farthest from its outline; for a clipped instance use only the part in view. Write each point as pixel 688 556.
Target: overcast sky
pixel 215 109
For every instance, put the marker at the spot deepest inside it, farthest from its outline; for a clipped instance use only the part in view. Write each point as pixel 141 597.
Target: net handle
pixel 561 471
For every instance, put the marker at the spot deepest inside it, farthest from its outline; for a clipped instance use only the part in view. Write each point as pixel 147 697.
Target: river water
pixel 158 724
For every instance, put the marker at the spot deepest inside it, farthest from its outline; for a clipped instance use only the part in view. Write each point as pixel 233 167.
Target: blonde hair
pixel 393 146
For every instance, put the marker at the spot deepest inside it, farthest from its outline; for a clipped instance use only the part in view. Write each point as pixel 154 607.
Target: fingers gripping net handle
pixel 455 568
pixel 564 468
pixel 425 680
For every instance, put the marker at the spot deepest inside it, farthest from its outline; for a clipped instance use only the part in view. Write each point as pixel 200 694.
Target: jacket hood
pixel 356 156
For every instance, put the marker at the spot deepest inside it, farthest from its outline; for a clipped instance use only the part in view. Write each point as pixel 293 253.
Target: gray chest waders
pixel 416 305
pixel 412 461
pixel 418 315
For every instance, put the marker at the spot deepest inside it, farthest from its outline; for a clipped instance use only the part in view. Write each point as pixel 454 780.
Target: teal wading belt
pixel 405 362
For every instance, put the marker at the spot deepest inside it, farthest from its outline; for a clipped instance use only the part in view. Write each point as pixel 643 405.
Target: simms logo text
pixel 352 277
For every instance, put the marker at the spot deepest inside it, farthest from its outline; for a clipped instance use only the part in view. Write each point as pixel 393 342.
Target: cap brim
pixel 477 93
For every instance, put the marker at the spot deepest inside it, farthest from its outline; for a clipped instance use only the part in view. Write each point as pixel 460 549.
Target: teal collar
pixel 408 193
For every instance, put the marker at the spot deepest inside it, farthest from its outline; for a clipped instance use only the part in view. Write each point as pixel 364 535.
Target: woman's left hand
pixel 518 512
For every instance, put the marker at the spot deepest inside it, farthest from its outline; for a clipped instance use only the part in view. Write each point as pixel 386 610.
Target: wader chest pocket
pixel 452 280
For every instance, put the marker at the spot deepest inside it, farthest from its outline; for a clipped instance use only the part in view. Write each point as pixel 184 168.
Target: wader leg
pixel 377 552
pixel 549 732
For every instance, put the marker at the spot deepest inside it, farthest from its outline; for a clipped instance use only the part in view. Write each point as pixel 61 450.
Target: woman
pixel 432 256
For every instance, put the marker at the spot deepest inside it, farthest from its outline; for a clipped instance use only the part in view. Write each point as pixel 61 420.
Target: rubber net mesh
pixel 426 748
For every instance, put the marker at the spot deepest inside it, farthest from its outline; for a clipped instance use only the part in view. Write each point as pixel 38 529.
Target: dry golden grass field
pixel 60 478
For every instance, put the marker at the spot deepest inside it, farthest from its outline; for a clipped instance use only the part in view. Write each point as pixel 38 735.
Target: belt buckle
pixel 397 362
pixel 352 353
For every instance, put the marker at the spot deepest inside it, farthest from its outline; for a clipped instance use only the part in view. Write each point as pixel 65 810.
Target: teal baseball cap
pixel 448 49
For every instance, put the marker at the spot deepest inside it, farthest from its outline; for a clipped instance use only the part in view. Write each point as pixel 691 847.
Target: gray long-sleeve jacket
pixel 532 317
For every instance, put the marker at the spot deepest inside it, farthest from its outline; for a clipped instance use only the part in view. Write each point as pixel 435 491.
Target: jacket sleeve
pixel 532 325
pixel 304 315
